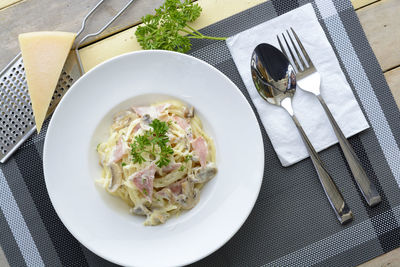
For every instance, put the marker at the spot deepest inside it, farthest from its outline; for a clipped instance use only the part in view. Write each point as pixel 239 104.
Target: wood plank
pixel 124 42
pixel 381 23
pixel 393 79
pixel 7 3
pixel 357 4
pixel 41 15
pixel 391 258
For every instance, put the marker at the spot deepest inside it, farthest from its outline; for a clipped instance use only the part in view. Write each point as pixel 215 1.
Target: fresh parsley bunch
pixel 148 142
pixel 165 29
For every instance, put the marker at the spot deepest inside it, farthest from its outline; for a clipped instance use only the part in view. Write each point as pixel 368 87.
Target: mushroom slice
pixel 203 174
pixel 189 197
pixel 140 210
pixel 146 119
pixel 189 112
pixel 116 177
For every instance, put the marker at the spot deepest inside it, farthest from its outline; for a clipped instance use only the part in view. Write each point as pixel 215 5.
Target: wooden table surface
pixel 379 18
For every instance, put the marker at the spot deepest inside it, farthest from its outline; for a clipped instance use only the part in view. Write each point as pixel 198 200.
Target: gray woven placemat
pixel 291 223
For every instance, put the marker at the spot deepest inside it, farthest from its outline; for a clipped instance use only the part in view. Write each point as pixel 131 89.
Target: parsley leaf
pixel 188 157
pixel 182 168
pixel 136 153
pixel 149 141
pixel 165 29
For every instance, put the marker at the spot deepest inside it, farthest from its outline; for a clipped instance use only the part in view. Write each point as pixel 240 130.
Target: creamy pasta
pixel 157 159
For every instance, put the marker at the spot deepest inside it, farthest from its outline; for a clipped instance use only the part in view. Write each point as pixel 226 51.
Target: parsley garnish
pixel 182 168
pixel 144 191
pixel 123 164
pixel 164 29
pixel 149 141
pixel 188 157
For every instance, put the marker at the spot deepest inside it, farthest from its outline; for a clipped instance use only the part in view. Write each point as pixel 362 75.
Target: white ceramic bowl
pixel 102 222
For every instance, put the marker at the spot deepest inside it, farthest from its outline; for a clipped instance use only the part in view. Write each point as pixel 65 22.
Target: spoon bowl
pixel 273 76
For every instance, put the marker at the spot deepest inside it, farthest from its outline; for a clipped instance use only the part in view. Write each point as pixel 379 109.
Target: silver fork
pixel 309 80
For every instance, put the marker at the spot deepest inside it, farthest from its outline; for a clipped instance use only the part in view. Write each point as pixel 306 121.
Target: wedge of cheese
pixel 44 55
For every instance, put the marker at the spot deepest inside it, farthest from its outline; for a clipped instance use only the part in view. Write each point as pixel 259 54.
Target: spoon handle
pixel 366 187
pixel 335 198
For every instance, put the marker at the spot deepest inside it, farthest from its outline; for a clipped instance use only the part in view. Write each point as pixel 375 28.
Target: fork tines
pixel 299 58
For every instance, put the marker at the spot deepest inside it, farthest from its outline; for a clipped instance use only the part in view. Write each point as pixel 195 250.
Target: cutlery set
pixel 275 75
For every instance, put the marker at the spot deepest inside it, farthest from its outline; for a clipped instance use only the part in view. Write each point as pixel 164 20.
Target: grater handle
pixel 87 16
pixel 96 33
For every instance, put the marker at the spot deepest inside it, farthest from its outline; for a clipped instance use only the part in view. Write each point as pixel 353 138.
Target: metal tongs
pixel 16 119
pixel 96 33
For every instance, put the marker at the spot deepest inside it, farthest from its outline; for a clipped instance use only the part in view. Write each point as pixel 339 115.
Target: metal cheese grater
pixel 16 115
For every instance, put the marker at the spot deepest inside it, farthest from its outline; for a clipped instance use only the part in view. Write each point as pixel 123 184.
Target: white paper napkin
pixel 335 90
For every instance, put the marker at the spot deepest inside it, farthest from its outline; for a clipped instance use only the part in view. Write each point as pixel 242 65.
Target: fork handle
pixel 365 185
pixel 342 210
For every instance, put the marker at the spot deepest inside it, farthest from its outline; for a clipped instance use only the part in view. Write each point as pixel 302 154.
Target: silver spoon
pixel 275 80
